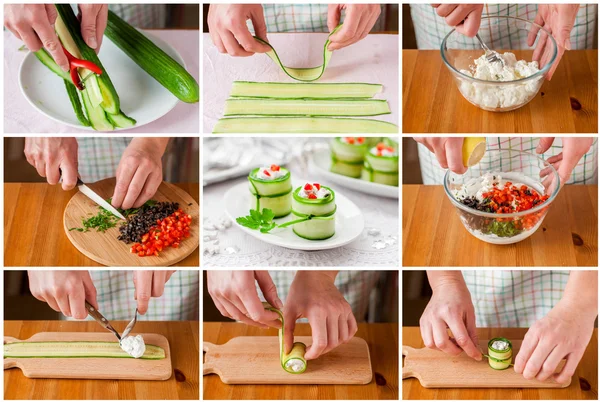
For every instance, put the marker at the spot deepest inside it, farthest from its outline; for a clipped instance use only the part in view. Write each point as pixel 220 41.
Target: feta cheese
pixel 265 173
pixel 500 345
pixel 320 193
pixel 500 96
pixel 133 345
pixel 296 365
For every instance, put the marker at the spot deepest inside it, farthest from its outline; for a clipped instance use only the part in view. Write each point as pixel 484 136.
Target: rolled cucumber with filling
pixel 316 205
pixel 76 349
pixel 499 353
pixel 347 155
pixel 271 187
pixel 382 163
pixel 293 362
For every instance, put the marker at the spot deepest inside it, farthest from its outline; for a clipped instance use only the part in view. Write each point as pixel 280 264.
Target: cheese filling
pixel 313 191
pixel 500 345
pixel 133 345
pixel 296 365
pixel 266 173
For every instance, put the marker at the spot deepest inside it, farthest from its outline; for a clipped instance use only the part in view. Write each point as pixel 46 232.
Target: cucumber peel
pixel 76 349
pixel 298 348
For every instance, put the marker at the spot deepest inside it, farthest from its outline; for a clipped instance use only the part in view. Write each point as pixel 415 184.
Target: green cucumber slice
pixel 280 90
pixel 264 125
pixel 319 214
pixel 76 349
pixel 121 120
pixel 47 60
pixel 302 74
pixel 374 176
pixel 76 102
pixel 306 107
pixel 317 207
pixel 350 153
pixel 296 355
pixel 499 359
pixel 96 114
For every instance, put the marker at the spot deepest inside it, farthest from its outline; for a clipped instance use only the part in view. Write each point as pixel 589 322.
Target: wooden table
pixel 183 339
pixel 433 234
pixel 33 227
pixel 383 348
pixel 432 103
pixel 584 384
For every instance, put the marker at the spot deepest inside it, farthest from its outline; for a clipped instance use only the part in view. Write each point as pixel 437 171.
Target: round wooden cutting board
pixel 106 249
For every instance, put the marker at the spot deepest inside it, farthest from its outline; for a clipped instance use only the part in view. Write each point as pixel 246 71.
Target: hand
pixel 314 296
pixel 466 18
pixel 149 284
pixel 235 296
pixel 360 19
pixel 64 291
pixel 229 32
pixel 447 150
pixel 49 154
pixel 450 307
pixel 139 173
pixel 34 25
pixel 559 19
pixel 94 18
pixel 573 150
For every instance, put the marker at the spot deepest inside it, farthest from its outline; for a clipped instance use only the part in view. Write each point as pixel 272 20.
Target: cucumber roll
pixel 347 155
pixel 271 187
pixel 316 203
pixel 499 353
pixel 381 163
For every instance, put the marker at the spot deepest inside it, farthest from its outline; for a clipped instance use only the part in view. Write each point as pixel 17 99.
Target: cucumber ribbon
pixel 298 349
pixel 302 74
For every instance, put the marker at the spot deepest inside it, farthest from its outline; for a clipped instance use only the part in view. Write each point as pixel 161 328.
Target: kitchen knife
pixel 97 199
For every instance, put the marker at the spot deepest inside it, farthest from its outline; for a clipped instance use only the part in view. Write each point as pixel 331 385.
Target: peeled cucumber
pixel 76 349
pixel 296 355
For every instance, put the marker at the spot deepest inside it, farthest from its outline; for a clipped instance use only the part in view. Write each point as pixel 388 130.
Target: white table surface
pixel 21 117
pixel 373 60
pixel 379 213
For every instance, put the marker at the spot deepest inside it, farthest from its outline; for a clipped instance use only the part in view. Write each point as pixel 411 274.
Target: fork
pixel 491 55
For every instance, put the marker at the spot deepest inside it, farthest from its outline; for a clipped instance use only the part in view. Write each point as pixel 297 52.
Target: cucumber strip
pixel 76 349
pixel 302 74
pixel 346 169
pixel 110 99
pixel 96 114
pixel 47 60
pixel 280 90
pixel 121 120
pixel 306 107
pixel 499 359
pixel 302 125
pixel 76 102
pixel 293 362
pixel 374 176
pixel 349 153
pixel 152 59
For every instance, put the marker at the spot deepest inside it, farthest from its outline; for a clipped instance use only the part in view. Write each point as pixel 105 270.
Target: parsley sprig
pixel 264 221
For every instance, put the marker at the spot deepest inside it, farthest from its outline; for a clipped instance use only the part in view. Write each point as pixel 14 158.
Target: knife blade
pixel 88 192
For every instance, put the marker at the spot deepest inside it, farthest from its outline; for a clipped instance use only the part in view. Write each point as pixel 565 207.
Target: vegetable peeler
pixel 74 63
pixel 95 314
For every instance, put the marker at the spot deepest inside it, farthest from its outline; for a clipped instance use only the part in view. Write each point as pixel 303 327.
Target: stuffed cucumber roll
pixel 271 187
pixel 381 163
pixel 317 203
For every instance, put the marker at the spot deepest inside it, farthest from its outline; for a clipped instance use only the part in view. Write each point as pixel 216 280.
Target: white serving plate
pixel 141 96
pixel 320 163
pixel 349 221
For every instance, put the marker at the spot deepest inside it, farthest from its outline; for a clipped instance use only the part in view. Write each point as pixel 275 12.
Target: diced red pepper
pixel 275 168
pixel 307 187
pixel 317 185
pixel 312 196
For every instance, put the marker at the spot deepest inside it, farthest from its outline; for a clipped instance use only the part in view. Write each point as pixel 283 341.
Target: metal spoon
pixel 130 326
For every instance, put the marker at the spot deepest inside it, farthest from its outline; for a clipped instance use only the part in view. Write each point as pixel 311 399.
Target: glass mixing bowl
pixel 517 167
pixel 459 53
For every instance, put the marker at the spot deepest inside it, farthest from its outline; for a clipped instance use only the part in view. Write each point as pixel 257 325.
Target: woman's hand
pixel 314 296
pixel 64 291
pixel 149 284
pixel 466 18
pixel 50 155
pixel 34 25
pixel 235 296
pixel 139 173
pixel 573 149
pixel 562 334
pixel 229 32
pixel 360 19
pixel 94 18
pixel 559 19
pixel 447 150
pixel 450 307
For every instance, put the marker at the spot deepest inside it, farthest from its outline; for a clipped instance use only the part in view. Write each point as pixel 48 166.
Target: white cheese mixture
pixel 500 96
pixel 133 345
pixel 296 365
pixel 265 173
pixel 383 151
pixel 500 345
pixel 308 189
pixel 353 140
pixel 478 186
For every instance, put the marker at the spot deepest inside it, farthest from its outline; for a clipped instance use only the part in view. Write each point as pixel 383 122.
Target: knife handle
pixel 97 316
pixel 79 181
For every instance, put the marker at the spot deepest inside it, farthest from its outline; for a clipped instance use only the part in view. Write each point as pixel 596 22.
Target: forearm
pixel 155 144
pixel 582 291
pixel 331 275
pixel 440 278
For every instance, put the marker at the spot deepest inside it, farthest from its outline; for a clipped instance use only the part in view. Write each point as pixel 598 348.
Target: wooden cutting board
pixel 255 360
pixel 436 369
pixel 104 248
pixel 92 368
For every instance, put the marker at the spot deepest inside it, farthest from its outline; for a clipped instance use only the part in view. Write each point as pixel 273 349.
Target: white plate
pixel 141 96
pixel 349 221
pixel 320 162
